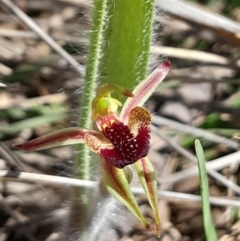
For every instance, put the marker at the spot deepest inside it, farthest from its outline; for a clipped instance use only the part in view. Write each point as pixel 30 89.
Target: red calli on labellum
pixel 127 143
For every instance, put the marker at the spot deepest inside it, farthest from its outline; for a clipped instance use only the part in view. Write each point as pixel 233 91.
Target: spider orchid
pixel 119 139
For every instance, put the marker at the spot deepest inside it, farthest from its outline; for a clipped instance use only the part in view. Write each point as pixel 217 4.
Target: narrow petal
pixel 145 89
pixel 147 178
pixel 67 136
pixel 117 185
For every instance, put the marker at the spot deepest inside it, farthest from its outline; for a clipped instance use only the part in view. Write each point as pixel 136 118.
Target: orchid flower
pixel 120 139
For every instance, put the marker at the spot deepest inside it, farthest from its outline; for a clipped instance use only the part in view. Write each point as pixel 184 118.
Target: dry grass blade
pixel 5 70
pixel 34 27
pixel 33 177
pixel 216 164
pixel 11 33
pixel 222 179
pixel 158 120
pixel 9 210
pixel 71 182
pixel 192 55
pixel 174 196
pixel 10 158
pixel 78 2
pixel 28 103
pixel 194 13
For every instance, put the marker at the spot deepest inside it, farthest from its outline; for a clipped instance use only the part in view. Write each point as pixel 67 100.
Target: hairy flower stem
pixel 118 53
pixel 127 39
pixel 83 164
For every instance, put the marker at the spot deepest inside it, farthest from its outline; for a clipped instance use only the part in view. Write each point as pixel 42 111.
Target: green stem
pixel 118 53
pixel 83 164
pixel 127 40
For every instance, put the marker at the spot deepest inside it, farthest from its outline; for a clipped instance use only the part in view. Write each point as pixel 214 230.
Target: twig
pixel 33 177
pixel 65 181
pixel 222 179
pixel 2 85
pixel 5 70
pixel 191 54
pixel 81 3
pixel 9 210
pixel 33 35
pixel 28 103
pixel 202 80
pixel 34 27
pixel 10 158
pixel 208 107
pixel 216 164
pixel 158 120
pixel 173 196
pixel 13 33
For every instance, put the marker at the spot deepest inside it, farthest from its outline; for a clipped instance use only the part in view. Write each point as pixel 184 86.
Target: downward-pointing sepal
pixel 117 185
pixel 147 178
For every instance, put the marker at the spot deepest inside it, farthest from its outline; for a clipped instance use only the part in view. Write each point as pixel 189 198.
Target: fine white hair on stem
pixel 65 181
pixel 100 221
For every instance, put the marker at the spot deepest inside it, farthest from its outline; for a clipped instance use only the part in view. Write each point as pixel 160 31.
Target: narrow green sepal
pixel 117 185
pixel 147 178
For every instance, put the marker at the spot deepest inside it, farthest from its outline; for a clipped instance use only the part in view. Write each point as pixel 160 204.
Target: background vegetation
pixel 200 98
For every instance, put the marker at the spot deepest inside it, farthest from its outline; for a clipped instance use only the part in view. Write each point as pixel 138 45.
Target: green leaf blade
pixel 209 228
